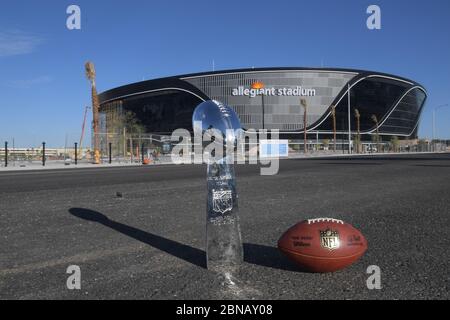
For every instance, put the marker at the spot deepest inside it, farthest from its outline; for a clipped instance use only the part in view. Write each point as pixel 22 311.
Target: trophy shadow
pixel 190 254
pixel 256 254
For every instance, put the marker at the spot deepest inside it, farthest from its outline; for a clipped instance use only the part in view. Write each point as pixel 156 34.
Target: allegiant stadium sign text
pixel 287 92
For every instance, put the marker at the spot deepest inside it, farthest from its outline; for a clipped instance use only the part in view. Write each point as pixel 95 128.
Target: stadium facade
pixel 269 98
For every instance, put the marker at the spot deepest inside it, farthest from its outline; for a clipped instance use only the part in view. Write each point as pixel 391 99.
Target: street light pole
pixel 434 125
pixel 263 111
pixel 317 140
pixel 434 121
pixel 349 125
pixel 305 114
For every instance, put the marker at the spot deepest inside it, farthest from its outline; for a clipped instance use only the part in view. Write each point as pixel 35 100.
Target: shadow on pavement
pixel 182 251
pixel 266 256
pixel 253 253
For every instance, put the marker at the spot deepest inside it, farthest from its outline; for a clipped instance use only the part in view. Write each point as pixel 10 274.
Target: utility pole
pixel 65 147
pixel 317 140
pixel 434 121
pixel 305 114
pixel 263 111
pixel 14 152
pixel 358 129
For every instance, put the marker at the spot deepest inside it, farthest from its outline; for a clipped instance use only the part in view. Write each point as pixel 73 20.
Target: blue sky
pixel 44 90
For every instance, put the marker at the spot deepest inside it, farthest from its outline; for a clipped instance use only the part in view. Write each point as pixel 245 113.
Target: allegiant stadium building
pixel 270 98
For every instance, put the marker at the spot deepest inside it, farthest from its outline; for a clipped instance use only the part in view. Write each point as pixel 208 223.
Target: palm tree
pixel 333 114
pixel 395 142
pixel 120 123
pixel 358 126
pixel 90 74
pixel 375 120
pixel 305 106
pixel 326 143
pixel 132 123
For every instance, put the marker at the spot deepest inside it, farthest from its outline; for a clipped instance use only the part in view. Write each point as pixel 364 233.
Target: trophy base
pixel 224 244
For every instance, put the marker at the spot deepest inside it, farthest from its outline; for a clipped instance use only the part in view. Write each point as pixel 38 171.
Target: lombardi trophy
pixel 219 125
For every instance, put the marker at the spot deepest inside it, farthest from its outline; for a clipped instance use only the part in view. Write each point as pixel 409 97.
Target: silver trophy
pixel 223 236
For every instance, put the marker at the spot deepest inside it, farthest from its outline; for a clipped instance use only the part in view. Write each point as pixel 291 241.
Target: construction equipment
pixel 83 127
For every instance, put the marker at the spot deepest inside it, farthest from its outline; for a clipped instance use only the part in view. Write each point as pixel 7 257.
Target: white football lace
pixel 311 221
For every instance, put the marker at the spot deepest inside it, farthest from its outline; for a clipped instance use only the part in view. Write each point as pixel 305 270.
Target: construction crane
pixel 83 126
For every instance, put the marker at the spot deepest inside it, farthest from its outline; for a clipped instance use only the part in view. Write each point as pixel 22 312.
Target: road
pixel 138 232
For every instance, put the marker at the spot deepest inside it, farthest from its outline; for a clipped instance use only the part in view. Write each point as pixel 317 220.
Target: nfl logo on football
pixel 329 239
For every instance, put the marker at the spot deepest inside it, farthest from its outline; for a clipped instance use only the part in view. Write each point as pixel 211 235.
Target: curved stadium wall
pixel 163 105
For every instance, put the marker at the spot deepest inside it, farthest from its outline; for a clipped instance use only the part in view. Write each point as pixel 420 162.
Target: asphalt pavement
pixel 139 232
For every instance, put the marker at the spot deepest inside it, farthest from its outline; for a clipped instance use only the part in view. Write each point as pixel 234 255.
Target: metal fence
pixel 154 149
pixel 344 147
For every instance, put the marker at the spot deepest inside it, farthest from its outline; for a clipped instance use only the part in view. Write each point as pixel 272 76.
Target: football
pixel 323 245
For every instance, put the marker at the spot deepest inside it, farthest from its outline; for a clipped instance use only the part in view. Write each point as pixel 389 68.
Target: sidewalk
pixel 60 165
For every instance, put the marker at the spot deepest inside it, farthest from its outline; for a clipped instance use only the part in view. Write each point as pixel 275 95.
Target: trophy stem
pixel 223 235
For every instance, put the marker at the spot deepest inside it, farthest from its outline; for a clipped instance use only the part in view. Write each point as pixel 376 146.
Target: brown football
pixel 323 245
